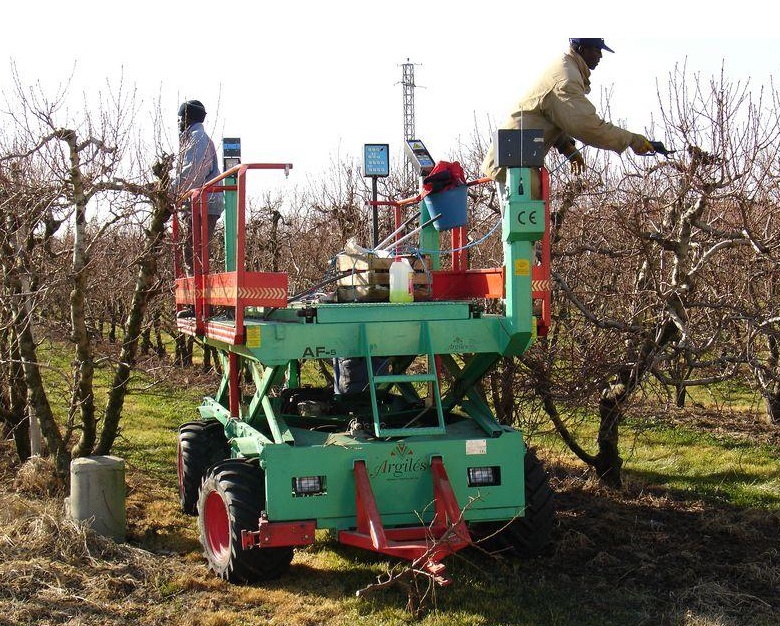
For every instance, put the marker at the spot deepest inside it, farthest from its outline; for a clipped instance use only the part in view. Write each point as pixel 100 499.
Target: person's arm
pixel 568 108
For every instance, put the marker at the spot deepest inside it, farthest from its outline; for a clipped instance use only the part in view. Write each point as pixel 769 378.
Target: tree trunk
pixel 184 345
pixel 147 273
pixel 39 402
pixel 770 386
pixel 160 349
pixel 23 351
pixel 83 399
pixel 608 462
pixel 112 328
pixel 146 340
pixel 502 389
pixel 772 405
pixel 680 395
pixel 17 417
pixel 208 352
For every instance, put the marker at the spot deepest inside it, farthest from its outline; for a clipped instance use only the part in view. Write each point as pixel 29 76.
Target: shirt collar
pixel 583 68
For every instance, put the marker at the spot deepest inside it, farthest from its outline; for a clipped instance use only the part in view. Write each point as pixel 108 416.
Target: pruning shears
pixel 661 149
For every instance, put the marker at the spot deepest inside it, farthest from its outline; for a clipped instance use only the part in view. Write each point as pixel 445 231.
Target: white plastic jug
pixel 401 281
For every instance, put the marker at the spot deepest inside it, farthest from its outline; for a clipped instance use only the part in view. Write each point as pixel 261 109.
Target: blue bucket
pixel 452 204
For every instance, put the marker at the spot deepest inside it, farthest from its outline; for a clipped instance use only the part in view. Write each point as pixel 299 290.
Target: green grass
pixel 732 394
pixel 150 421
pixel 717 467
pixel 320 587
pixel 153 409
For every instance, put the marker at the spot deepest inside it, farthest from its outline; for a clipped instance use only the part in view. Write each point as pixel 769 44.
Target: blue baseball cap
pixel 592 42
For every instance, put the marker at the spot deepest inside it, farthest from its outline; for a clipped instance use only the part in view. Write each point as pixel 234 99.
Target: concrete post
pixel 97 494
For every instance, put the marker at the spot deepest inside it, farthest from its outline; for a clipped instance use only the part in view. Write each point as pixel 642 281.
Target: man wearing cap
pixel 558 106
pixel 196 166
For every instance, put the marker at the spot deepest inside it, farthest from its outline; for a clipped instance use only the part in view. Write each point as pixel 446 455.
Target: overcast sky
pixel 312 81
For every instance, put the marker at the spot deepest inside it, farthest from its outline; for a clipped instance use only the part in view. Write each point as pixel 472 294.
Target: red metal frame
pixel 237 289
pixel 425 546
pixel 279 534
pixel 462 283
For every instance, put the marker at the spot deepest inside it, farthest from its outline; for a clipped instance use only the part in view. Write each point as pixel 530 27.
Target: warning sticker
pixel 252 336
pixel 522 267
pixel 476 446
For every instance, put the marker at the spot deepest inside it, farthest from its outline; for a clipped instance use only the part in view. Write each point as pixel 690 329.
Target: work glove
pixel 641 145
pixel 574 156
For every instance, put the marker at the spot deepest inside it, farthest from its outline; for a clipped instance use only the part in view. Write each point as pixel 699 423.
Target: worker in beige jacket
pixel 558 106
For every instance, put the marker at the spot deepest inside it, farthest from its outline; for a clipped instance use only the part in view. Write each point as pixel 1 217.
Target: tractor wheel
pixel 529 535
pixel 231 499
pixel 201 444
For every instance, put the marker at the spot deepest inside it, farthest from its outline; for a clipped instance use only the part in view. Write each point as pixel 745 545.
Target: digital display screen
pixel 231 147
pixel 420 154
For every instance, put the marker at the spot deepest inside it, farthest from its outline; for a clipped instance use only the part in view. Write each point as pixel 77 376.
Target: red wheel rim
pixel 217 525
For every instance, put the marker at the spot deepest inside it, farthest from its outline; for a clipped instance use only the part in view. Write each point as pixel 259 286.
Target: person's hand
pixel 577 163
pixel 641 145
pixel 574 156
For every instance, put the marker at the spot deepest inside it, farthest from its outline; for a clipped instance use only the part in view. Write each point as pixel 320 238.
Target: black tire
pixel 231 499
pixel 201 444
pixel 531 534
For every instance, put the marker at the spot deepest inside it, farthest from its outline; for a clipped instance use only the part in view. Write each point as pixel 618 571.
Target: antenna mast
pixel 409 132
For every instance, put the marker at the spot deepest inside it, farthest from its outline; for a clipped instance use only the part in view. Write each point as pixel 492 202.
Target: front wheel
pixel 531 534
pixel 231 499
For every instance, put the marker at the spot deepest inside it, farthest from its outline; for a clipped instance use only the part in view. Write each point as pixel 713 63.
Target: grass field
pixel 692 539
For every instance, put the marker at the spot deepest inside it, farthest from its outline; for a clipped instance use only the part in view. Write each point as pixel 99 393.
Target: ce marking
pixel 531 219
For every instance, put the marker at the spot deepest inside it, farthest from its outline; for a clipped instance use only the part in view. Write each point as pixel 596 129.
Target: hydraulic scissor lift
pixel 415 466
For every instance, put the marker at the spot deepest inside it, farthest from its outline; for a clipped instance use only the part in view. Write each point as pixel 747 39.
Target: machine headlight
pixel 482 476
pixel 308 485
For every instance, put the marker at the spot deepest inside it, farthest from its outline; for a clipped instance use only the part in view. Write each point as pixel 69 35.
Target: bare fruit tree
pixel 93 183
pixel 647 261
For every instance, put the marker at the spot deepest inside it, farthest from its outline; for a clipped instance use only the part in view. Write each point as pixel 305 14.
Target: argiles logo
pixel 400 464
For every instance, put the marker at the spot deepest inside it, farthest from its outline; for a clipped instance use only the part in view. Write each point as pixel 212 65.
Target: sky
pixel 310 82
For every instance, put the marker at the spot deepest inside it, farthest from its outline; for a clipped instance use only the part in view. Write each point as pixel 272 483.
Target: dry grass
pixel 54 569
pixel 36 478
pixel 659 556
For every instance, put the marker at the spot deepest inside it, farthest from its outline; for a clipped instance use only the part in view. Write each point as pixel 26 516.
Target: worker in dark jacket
pixel 558 106
pixel 197 164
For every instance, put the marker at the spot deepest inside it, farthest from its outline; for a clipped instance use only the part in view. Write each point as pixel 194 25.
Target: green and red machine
pixel 414 465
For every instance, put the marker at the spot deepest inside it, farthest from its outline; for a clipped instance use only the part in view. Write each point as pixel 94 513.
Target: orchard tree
pixel 645 257
pixel 84 164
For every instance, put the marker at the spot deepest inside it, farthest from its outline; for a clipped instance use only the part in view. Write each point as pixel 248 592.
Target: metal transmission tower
pixel 409 132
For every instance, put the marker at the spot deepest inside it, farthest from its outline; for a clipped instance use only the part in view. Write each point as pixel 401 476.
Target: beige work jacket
pixel 557 105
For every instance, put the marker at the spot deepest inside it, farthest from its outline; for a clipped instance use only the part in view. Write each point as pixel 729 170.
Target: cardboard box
pixel 371 280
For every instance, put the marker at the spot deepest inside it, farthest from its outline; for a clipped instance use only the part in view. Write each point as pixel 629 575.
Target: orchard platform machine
pixel 413 464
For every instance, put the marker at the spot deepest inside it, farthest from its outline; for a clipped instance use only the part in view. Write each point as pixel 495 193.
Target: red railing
pixel 240 288
pixel 463 283
pixel 236 289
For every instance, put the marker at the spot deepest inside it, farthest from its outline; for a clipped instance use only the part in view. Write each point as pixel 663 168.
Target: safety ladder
pixel 431 377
